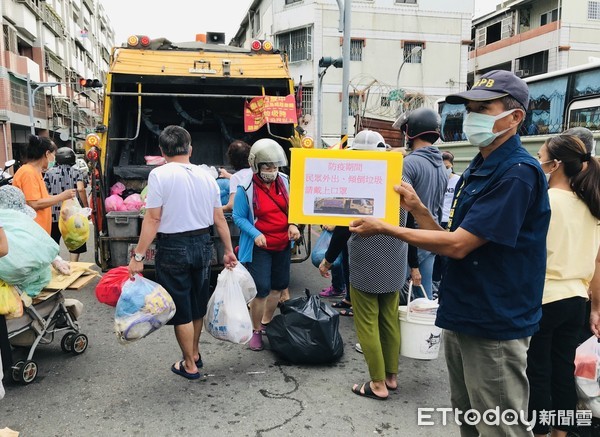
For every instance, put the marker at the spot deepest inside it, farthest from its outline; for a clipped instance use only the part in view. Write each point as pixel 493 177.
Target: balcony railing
pixel 52 20
pixel 54 66
pixel 89 4
pixel 33 5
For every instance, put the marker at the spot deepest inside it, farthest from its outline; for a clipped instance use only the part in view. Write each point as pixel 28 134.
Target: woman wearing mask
pixel 260 210
pixel 573 245
pixel 30 179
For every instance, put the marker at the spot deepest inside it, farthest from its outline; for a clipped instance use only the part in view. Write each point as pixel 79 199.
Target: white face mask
pixel 268 176
pixel 479 128
pixel 449 171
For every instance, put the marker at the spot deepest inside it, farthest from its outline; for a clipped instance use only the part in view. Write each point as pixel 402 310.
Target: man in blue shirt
pixel 490 297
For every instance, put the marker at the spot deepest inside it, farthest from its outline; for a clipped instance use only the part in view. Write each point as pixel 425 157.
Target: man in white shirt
pixel 183 202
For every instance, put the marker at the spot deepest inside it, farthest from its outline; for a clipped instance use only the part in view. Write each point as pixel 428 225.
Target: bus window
pixel 546 106
pixel 452 121
pixel 585 113
pixel 587 83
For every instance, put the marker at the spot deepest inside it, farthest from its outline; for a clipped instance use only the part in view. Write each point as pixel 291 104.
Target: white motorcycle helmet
pixel 266 151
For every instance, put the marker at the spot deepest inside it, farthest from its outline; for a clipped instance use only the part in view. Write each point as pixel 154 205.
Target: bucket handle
pixel 409 298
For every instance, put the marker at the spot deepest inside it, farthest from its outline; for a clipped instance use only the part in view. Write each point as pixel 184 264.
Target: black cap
pixel 494 85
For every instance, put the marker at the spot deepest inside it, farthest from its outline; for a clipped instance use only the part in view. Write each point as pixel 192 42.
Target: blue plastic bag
pixel 143 307
pixel 321 246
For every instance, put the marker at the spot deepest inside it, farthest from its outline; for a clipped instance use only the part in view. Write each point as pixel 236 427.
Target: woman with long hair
pixel 30 179
pixel 573 244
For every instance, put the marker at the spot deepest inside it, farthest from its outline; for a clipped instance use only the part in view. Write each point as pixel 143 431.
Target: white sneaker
pixel 358 348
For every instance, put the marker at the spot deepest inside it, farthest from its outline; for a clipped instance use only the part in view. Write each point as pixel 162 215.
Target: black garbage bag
pixel 306 331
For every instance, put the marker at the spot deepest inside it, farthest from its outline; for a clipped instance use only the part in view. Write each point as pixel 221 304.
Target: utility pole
pixel 31 98
pixel 346 71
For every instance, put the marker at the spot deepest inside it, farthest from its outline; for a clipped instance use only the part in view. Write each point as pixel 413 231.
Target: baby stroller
pixel 38 325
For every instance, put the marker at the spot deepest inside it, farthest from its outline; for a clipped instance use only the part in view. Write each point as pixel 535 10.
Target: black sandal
pixel 342 304
pixel 367 392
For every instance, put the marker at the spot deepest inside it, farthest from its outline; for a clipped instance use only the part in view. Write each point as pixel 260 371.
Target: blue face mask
pixel 479 128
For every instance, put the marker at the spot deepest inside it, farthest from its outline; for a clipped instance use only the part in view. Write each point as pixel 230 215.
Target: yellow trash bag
pixel 74 224
pixel 10 301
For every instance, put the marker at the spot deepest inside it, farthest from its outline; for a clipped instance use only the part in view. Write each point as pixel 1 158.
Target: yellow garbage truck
pixel 219 93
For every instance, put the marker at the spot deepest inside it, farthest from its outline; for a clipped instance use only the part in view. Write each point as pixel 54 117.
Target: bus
pixel 558 101
pixel 219 93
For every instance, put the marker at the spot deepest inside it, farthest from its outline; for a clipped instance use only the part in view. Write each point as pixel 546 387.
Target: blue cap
pixel 494 85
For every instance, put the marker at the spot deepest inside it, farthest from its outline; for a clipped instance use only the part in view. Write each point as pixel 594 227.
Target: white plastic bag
pixel 227 317
pixel 246 281
pixel 143 307
pixel 587 373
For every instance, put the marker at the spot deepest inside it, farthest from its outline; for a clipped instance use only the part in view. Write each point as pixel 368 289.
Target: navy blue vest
pixel 495 292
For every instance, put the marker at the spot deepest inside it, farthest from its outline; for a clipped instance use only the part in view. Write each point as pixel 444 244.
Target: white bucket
pixel 421 339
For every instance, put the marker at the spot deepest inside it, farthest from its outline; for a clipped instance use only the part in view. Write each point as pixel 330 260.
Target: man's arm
pixel 149 230
pixel 410 201
pixel 457 244
pixel 594 292
pixel 229 259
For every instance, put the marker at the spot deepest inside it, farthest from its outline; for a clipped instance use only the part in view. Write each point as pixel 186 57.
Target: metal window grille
pixel 385 101
pixel 593 11
pixel 289 2
pixel 410 56
pixel 18 95
pixel 411 2
pixel 10 39
pixel 356 49
pixel 307 100
pixel 353 104
pixel 297 44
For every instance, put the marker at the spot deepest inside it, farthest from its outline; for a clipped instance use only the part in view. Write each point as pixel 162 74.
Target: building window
pixel 255 23
pixel 549 17
pixel 533 64
pixel 10 39
pixel 413 52
pixel 18 95
pixel 297 44
pixel 356 49
pixel 290 2
pixel 307 100
pixel 593 10
pixel 385 101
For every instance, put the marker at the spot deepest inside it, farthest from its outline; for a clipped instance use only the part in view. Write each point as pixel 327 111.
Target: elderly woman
pixel 29 179
pixel 260 211
pixel 377 266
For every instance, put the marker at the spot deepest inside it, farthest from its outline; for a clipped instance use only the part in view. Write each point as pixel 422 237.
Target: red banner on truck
pixel 269 109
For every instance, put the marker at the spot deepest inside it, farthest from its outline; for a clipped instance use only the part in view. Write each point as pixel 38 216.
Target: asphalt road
pixel 128 390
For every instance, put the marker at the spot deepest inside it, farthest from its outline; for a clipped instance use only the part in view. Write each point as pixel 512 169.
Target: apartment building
pixel 404 53
pixel 51 46
pixel 532 37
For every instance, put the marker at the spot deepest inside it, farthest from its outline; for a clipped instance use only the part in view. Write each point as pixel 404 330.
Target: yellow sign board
pixel 335 187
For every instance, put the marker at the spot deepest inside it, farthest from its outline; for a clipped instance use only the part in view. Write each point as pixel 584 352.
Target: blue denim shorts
pixel 183 269
pixel 270 270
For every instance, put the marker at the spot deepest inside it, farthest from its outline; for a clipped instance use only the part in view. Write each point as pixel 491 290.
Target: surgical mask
pixel 268 176
pixel 448 171
pixel 51 164
pixel 479 128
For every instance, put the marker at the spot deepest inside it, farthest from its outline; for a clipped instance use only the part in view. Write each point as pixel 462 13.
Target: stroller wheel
pixel 66 344
pixel 28 372
pixel 80 344
pixel 16 370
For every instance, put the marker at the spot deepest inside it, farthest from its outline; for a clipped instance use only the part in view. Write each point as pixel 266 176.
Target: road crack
pixel 267 394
